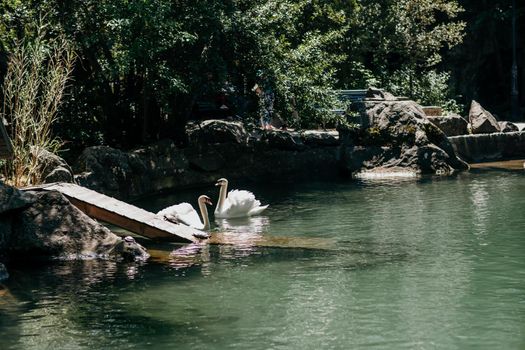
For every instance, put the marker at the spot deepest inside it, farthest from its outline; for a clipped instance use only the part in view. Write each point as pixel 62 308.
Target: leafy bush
pixel 428 88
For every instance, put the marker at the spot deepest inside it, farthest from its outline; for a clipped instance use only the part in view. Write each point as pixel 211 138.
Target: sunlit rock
pixel 217 131
pixel 397 134
pixel 482 121
pixel 506 126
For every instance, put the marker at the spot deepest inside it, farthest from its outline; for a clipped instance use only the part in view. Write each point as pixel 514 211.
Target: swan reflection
pixel 244 227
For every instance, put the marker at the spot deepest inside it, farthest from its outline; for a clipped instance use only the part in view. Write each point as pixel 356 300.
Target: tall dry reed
pixel 34 86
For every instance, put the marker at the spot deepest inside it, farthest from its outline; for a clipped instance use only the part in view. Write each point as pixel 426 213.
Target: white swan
pixel 185 214
pixel 238 203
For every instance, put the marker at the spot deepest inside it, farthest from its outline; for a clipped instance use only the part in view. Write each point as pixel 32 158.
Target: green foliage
pixel 400 42
pixel 33 89
pixel 143 64
pixel 431 88
pixel 293 46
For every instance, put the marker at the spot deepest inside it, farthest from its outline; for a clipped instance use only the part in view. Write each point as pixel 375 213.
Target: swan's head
pixel 205 199
pixel 222 182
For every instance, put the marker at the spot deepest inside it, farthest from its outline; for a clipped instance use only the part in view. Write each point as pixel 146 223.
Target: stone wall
pixel 217 149
pixel 489 147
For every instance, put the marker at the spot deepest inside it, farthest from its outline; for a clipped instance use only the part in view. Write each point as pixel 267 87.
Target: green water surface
pixel 432 263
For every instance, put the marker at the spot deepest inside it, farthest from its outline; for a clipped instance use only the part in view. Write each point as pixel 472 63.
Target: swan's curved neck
pixel 222 197
pixel 204 214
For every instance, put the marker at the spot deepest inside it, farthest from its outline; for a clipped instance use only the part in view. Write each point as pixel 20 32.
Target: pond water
pixel 431 263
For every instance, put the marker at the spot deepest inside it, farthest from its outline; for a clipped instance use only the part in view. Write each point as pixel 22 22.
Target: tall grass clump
pixel 37 76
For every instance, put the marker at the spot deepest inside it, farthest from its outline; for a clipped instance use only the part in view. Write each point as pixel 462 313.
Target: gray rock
pixel 217 131
pixel 52 167
pixel 105 169
pixel 13 199
pixel 490 147
pixel 320 138
pixel 451 125
pixel 482 121
pixel 130 250
pixel 378 94
pixel 283 140
pixel 53 228
pixel 129 174
pixel 59 174
pixel 399 135
pixel 506 126
pixel 3 273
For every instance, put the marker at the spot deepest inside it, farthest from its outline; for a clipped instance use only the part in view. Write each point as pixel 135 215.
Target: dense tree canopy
pixel 144 67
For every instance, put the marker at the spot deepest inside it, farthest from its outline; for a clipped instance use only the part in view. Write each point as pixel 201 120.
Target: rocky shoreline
pixel 36 226
pixel 393 134
pixel 394 138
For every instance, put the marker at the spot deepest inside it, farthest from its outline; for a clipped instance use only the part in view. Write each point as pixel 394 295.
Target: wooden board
pixel 517 164
pixel 127 216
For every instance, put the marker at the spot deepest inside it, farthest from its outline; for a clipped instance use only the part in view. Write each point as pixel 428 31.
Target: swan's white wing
pixel 240 203
pixel 257 210
pixel 184 213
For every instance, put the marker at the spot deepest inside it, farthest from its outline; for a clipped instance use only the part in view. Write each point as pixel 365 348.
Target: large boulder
pixel 482 121
pixel 451 125
pixel 53 228
pixel 52 167
pixel 399 136
pixel 217 131
pixel 107 170
pixel 130 174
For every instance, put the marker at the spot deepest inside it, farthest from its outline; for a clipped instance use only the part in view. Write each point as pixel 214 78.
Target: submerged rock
pixel 130 250
pixel 482 121
pixel 398 135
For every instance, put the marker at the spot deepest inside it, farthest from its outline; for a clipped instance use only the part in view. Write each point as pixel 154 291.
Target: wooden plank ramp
pixel 118 213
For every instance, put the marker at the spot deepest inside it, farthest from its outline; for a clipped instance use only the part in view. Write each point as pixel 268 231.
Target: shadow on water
pixel 38 304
